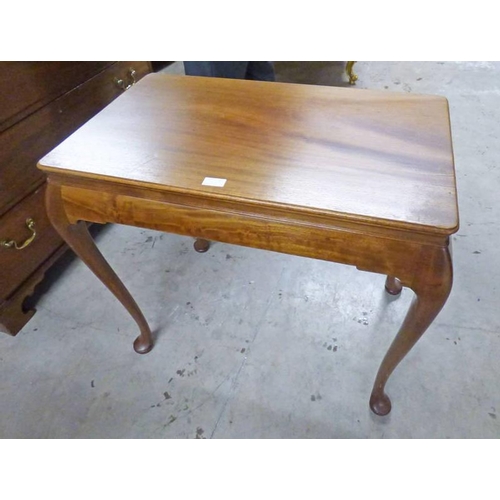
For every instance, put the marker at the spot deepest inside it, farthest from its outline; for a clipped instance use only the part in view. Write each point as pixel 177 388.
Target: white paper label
pixel 213 181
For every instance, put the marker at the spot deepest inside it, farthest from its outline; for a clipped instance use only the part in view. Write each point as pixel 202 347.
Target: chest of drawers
pixel 41 103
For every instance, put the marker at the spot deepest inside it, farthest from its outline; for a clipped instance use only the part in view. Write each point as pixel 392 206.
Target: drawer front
pixel 27 86
pixel 17 265
pixel 22 145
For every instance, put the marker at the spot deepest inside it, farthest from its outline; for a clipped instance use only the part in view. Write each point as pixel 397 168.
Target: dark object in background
pixel 244 70
pixel 159 65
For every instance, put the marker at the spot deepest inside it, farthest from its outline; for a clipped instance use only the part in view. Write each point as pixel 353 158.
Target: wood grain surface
pixel 368 156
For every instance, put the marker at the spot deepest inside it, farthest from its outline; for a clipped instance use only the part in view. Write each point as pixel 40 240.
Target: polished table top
pixel 375 157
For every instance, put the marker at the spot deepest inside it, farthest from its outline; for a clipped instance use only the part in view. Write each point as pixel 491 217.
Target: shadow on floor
pixel 58 269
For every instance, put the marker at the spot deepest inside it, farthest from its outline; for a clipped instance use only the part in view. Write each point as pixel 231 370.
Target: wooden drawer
pixel 27 86
pixel 23 144
pixel 17 265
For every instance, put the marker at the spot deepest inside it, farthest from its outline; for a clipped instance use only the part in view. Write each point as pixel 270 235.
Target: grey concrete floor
pixel 254 344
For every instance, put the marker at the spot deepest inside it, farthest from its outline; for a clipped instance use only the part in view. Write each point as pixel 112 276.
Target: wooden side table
pixel 360 177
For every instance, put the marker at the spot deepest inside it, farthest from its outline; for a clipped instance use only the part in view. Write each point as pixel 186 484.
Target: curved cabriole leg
pixel 80 241
pixel 432 285
pixel 393 285
pixel 201 246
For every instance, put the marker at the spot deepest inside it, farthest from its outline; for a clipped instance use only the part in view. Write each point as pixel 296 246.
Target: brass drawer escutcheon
pixel 30 224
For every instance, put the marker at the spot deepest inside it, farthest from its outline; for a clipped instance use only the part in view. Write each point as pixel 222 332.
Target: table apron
pixel 319 241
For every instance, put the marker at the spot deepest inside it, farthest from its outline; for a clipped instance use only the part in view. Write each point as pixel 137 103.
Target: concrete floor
pixel 254 344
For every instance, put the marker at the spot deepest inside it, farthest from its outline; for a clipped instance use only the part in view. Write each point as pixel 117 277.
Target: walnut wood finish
pixel 393 285
pixel 201 246
pixel 78 238
pixel 290 145
pixel 432 285
pixel 357 177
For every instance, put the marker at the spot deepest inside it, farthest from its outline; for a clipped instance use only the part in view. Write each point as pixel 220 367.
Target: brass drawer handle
pixel 125 85
pixel 30 224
